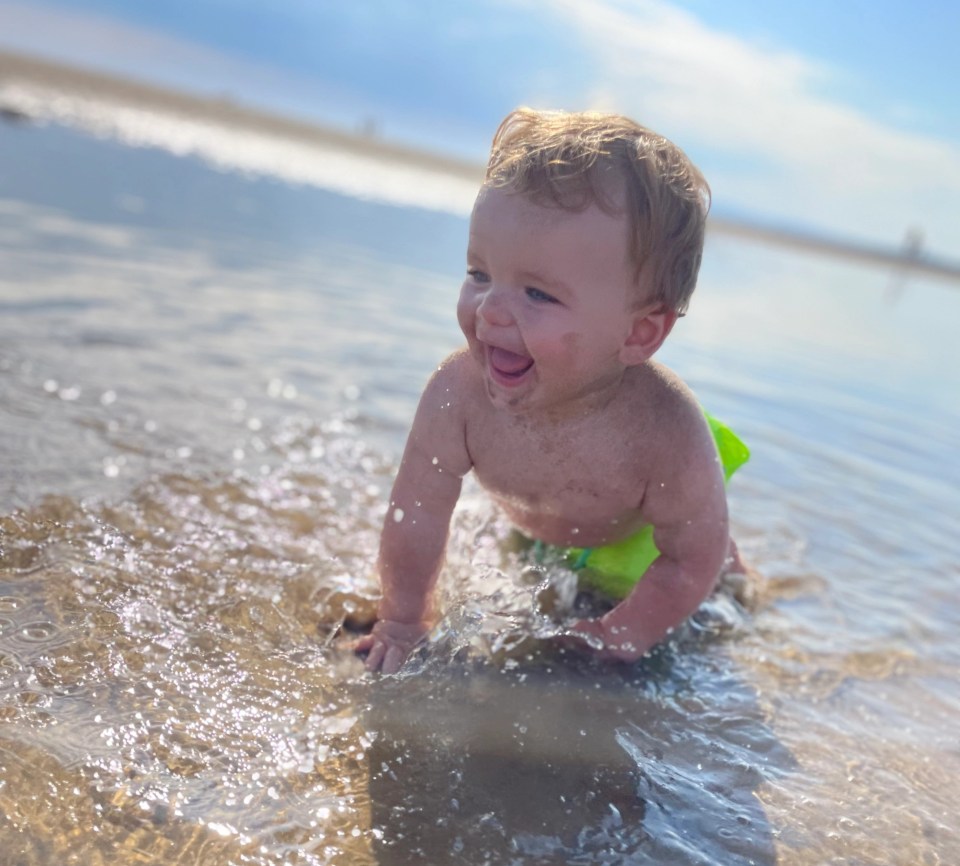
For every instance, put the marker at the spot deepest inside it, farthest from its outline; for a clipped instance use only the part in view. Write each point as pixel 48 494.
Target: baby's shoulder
pixel 681 465
pixel 439 427
pixel 660 394
pixel 453 390
pixel 666 410
pixel 456 371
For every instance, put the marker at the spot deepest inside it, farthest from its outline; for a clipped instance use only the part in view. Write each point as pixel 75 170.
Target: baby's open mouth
pixel 509 364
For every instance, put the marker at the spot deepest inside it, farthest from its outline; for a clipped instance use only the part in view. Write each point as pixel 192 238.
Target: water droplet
pixel 36 632
pixel 434 461
pixel 108 397
pixel 397 515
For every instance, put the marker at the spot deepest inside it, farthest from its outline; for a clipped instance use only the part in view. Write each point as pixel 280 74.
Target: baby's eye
pixel 477 275
pixel 540 296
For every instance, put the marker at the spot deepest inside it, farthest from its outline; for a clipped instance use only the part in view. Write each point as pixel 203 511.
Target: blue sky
pixel 839 116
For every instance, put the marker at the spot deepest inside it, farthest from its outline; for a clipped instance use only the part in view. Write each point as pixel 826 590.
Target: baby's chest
pixel 561 476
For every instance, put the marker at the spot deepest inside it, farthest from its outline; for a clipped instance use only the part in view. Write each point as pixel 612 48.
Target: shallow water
pixel 205 380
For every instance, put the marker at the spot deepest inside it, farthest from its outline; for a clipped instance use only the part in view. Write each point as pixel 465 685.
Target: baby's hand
pixel 389 644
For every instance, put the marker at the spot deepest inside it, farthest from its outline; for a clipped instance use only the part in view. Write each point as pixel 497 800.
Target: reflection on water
pixel 204 385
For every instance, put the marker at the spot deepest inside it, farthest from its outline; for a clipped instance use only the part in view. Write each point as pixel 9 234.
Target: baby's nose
pixel 494 308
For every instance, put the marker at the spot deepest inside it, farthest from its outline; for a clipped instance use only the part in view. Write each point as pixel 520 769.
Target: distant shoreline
pixel 66 79
pixel 910 259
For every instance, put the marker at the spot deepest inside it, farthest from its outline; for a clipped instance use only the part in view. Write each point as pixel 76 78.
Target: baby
pixel 585 243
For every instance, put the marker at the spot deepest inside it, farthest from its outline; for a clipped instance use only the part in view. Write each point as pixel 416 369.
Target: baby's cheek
pixel 559 351
pixel 466 315
pixel 569 347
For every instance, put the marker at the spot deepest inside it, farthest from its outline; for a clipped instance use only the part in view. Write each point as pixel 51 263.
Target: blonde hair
pixel 574 160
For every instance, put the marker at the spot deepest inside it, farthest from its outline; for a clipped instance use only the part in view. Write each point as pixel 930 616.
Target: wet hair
pixel 571 161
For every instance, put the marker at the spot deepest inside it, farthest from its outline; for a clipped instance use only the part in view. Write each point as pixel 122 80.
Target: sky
pixel 831 116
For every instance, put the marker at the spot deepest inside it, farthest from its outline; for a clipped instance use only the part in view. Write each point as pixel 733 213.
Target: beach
pixel 214 328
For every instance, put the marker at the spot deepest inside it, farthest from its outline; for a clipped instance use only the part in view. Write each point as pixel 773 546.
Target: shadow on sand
pixel 572 762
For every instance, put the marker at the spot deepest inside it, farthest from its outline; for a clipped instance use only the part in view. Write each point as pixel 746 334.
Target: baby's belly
pixel 566 528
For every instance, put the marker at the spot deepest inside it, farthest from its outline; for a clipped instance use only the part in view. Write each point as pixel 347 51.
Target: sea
pixel 212 342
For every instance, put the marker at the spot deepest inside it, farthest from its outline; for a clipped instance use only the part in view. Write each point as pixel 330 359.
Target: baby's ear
pixel 649 327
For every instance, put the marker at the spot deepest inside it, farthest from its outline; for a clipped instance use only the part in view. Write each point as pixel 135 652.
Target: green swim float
pixel 615 569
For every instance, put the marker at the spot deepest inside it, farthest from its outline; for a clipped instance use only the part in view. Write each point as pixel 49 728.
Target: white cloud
pixel 763 121
pixel 89 40
pixel 85 37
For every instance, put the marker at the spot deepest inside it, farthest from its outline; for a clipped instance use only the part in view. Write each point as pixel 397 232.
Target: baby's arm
pixel 691 531
pixel 414 536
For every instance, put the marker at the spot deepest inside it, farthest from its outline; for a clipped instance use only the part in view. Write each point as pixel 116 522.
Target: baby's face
pixel 546 302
